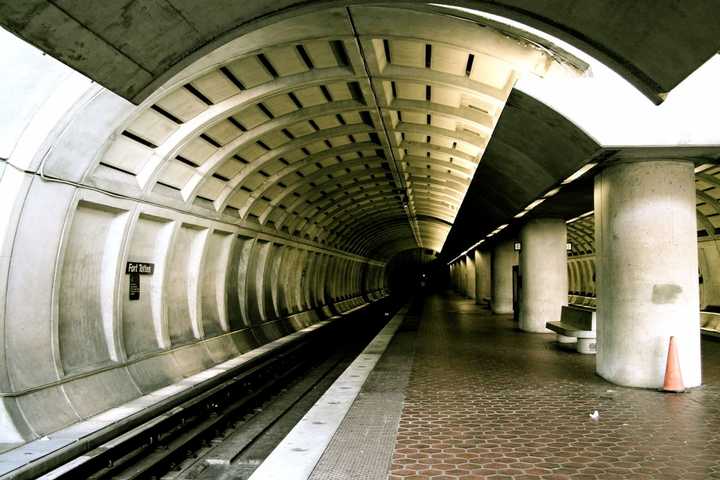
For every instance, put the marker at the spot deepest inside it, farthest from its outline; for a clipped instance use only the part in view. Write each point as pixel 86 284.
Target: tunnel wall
pixel 73 343
pixel 709 265
pixel 581 275
pixel 76 345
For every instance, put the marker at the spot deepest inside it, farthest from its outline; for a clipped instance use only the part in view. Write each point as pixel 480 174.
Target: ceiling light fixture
pixel 579 217
pixel 552 192
pixel 579 173
pixel 534 204
pixel 703 167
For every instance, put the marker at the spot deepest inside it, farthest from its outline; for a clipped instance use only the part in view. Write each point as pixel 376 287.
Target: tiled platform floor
pixel 486 401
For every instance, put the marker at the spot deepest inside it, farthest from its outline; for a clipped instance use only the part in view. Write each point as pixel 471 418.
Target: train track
pixel 227 430
pixel 236 454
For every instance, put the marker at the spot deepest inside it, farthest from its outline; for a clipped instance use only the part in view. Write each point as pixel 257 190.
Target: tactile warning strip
pixel 297 455
pixel 363 445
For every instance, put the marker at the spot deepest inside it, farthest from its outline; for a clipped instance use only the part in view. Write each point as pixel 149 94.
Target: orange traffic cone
pixel 673 377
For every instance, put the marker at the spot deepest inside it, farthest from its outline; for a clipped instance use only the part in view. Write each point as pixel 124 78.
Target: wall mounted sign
pixel 134 270
pixel 140 267
pixel 517 246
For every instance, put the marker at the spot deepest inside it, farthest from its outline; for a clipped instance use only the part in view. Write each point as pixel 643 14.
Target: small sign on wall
pixel 134 270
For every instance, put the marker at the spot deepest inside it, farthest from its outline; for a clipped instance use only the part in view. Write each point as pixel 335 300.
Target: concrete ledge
pixel 708 332
pixel 569 330
pixel 710 320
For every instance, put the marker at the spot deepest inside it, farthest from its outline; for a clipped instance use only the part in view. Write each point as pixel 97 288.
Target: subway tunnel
pixel 189 188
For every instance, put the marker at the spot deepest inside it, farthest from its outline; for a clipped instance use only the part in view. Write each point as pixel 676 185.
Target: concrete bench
pixel 710 324
pixel 576 325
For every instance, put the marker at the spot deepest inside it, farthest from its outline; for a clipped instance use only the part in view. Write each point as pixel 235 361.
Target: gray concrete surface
pixel 483 280
pixel 503 258
pixel 543 268
pixel 647 272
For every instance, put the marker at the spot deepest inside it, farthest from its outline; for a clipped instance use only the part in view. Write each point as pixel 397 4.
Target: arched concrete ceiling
pixel 342 127
pixel 345 126
pixel 133 47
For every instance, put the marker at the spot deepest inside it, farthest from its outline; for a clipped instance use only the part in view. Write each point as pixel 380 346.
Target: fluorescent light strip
pixel 703 167
pixel 579 173
pixel 552 192
pixel 534 204
pixel 474 246
pixel 579 217
pixel 549 194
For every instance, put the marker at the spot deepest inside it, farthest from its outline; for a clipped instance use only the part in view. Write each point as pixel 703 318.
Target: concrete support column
pixel 470 287
pixel 460 286
pixel 482 276
pixel 458 282
pixel 463 276
pixel 647 264
pixel 543 267
pixel 460 268
pixel 503 259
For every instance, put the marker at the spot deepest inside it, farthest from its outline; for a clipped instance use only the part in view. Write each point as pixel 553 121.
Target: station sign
pixel 134 270
pixel 141 268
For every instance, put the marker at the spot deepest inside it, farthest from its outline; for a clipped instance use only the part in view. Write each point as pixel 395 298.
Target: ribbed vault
pixel 344 127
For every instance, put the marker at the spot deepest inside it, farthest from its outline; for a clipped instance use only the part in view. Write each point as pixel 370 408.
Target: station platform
pixel 459 393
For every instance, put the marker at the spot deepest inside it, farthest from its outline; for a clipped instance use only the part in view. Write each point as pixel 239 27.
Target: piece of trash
pixel 595 416
pixel 610 390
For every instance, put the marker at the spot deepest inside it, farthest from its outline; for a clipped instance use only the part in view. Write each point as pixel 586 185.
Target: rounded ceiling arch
pixel 323 136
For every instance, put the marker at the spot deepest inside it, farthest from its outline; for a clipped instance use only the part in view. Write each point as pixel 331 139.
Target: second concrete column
pixel 543 268
pixel 482 276
pixel 503 259
pixel 470 273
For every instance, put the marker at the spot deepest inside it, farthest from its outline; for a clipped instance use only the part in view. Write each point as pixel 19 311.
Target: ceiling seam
pixel 406 196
